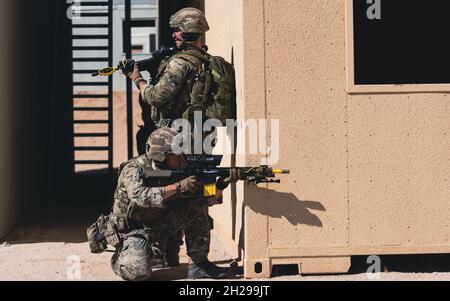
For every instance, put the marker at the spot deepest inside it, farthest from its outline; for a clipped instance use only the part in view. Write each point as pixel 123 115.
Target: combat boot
pixel 158 262
pixel 174 244
pixel 166 262
pixel 172 258
pixel 205 269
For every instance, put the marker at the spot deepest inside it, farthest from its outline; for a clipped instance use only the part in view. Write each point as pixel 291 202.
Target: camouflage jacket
pixel 141 201
pixel 136 199
pixel 168 98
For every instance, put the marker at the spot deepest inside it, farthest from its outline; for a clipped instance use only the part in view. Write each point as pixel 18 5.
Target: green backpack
pixel 213 89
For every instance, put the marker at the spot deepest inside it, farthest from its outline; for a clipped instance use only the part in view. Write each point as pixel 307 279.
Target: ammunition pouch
pixel 107 230
pixel 112 236
pixel 120 223
pixel 96 236
pixel 114 228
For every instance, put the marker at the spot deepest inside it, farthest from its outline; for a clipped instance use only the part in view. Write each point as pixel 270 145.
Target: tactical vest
pixel 123 207
pixel 165 114
pixel 212 89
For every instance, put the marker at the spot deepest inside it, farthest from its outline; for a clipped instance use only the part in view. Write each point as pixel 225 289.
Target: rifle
pixel 151 64
pixel 206 170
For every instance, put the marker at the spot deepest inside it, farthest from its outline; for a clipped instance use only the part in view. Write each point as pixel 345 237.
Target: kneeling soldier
pixel 148 212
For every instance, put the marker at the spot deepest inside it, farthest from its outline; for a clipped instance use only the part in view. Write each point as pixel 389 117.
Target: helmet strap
pixel 160 165
pixel 191 37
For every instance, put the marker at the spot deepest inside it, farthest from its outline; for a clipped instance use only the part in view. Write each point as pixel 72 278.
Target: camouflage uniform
pixel 141 203
pixel 169 97
pixel 167 101
pixel 150 219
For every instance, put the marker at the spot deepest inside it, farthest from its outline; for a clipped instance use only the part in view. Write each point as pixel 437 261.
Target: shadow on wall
pixel 279 204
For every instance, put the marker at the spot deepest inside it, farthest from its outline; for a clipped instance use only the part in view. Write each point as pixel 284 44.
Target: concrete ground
pixel 58 261
pixel 51 248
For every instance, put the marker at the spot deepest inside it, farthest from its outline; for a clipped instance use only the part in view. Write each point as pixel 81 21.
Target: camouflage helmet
pixel 159 144
pixel 190 20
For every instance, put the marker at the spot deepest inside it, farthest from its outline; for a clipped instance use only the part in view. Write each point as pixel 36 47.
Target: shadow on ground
pixel 427 263
pixel 68 211
pixel 57 223
pixel 180 273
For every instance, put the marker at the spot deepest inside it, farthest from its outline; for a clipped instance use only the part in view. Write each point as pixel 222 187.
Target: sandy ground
pixel 49 248
pixel 52 246
pixel 59 261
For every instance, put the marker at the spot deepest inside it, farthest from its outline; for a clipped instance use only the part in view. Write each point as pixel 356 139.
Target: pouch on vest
pixel 213 89
pixel 112 235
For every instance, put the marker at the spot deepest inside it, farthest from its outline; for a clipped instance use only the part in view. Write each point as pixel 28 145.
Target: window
pixel 398 46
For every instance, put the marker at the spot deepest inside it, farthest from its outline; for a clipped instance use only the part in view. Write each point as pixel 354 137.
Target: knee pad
pixel 133 268
pixel 135 274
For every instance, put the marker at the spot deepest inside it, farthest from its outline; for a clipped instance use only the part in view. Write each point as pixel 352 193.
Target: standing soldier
pixel 170 96
pixel 180 87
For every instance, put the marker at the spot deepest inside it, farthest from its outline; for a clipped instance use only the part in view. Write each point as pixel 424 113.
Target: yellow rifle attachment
pixel 280 171
pixel 105 71
pixel 209 190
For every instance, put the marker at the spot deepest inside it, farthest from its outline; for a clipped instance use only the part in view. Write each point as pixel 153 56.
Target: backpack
pixel 213 88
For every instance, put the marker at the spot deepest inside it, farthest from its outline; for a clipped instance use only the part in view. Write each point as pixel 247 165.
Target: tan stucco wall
pixel 298 51
pixel 7 205
pixel 226 39
pixel 369 172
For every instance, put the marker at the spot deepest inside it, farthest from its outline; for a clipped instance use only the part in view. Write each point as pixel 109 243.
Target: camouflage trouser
pixel 132 261
pixel 174 243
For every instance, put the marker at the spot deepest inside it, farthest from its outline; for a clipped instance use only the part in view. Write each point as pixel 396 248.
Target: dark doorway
pixel 49 188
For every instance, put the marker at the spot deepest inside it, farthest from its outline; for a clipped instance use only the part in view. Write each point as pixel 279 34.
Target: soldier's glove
pixel 136 74
pixel 131 70
pixel 126 66
pixel 188 185
pixel 235 175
